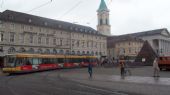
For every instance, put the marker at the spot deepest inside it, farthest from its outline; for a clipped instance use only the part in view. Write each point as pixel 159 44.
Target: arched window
pixel 22 50
pixel 54 51
pixel 67 52
pixel 107 21
pixel 73 52
pixel 39 50
pixel 96 53
pixel 101 21
pixel 47 51
pixel 92 53
pixel 100 53
pixel 83 52
pixel 11 50
pixel 88 53
pixel 31 50
pixel 78 52
pixel 61 52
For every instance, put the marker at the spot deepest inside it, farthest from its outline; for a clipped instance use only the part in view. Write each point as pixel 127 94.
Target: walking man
pixel 90 67
pixel 155 68
pixel 122 66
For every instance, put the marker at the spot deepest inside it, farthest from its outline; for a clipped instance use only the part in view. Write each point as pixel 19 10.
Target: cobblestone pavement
pixel 49 83
pixel 141 81
pixel 105 81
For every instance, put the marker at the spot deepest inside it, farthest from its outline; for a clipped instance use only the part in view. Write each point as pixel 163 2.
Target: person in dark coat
pixel 90 69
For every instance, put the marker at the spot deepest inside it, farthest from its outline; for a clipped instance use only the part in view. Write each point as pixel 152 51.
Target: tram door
pixel 1 62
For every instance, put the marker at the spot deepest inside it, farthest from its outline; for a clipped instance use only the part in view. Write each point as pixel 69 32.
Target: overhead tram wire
pixel 2 2
pixel 72 8
pixel 39 6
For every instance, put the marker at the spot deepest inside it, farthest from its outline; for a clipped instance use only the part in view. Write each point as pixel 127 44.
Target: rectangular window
pixel 72 43
pixel 11 39
pixel 61 42
pixel 47 41
pixel 1 24
pixel 39 40
pixel 129 50
pixel 1 36
pixel 31 38
pixel 12 26
pixel 22 36
pixel 31 28
pixel 54 41
pixel 87 44
pixel 83 44
pixel 78 43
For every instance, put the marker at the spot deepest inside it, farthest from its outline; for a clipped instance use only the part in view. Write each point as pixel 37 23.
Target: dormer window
pixel 29 20
pixel 1 23
pixel 59 26
pixel 71 28
pixel 85 30
pixel 81 30
pixel 45 23
pixel 10 17
pixel 76 28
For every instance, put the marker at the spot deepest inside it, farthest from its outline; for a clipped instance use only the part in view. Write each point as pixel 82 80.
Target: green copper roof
pixel 102 6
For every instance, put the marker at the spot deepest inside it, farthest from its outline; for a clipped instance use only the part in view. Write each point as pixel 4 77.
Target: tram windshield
pixel 10 61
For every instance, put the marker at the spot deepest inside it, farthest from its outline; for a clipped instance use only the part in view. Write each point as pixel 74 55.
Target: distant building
pixel 159 40
pixel 21 32
pixel 103 19
pixel 124 45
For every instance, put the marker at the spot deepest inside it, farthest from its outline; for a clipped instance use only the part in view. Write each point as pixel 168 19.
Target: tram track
pixel 51 83
pixel 87 89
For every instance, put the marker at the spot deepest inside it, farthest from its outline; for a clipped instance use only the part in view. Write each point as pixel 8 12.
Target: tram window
pixel 60 60
pixel 40 61
pixel 45 61
pixel 10 61
pixel 53 60
pixel 28 61
pixel 19 62
pixel 35 61
pixel 56 60
pixel 67 60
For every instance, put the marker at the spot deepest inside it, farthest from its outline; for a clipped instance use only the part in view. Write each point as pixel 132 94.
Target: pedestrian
pixel 122 66
pixel 155 68
pixel 90 69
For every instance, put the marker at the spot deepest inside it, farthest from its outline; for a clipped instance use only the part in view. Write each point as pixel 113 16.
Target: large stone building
pixel 21 32
pixel 159 40
pixel 123 45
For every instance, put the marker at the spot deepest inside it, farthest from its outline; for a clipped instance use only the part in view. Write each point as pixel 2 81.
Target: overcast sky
pixel 126 16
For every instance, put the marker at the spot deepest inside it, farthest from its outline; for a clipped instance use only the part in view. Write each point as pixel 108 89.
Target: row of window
pixel 56 41
pixel 54 51
pixel 31 28
pixel 130 50
pixel 129 43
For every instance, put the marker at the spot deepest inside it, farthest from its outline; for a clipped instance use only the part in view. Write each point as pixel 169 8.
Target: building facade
pixel 20 32
pixel 159 40
pixel 124 45
pixel 103 19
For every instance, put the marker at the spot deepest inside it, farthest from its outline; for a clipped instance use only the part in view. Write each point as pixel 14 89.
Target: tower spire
pixel 102 6
pixel 103 19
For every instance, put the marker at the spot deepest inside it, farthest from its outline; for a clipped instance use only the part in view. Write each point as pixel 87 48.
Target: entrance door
pixel 1 62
